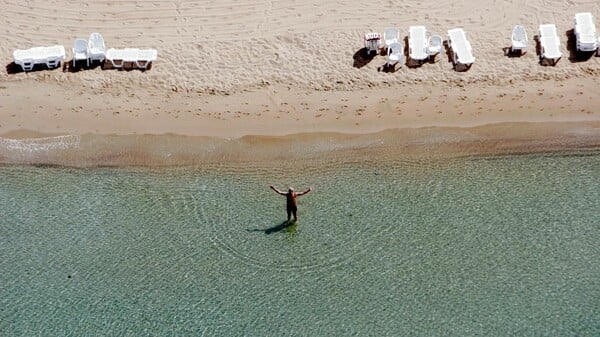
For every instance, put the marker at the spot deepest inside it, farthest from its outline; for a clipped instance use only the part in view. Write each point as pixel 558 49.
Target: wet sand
pixel 417 143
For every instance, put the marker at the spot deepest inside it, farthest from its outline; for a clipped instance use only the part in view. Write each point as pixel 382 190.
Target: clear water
pixel 492 246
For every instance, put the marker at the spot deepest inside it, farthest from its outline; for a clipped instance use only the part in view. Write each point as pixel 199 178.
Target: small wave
pixel 37 145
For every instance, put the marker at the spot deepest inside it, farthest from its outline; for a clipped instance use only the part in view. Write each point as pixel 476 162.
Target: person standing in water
pixel 290 196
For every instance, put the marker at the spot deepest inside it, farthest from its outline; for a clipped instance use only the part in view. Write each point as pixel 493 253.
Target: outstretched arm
pixel 276 190
pixel 303 193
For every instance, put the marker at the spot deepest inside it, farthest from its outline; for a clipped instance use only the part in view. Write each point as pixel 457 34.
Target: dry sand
pixel 235 68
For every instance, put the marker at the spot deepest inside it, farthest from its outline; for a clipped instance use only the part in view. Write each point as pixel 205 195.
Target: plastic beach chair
pixel 391 35
pixel 96 47
pixel 372 42
pixel 519 41
pixel 435 44
pixel 394 54
pixel 80 52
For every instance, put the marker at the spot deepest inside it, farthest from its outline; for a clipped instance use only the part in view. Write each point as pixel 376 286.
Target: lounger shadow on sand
pixel 362 57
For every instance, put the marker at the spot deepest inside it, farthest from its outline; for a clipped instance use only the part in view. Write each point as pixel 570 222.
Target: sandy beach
pixel 443 203
pixel 235 69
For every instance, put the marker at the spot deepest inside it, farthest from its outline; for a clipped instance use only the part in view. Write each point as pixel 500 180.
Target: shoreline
pixel 53 108
pixel 428 143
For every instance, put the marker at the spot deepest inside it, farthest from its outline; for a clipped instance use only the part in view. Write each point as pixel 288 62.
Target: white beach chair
pixel 80 52
pixel 372 42
pixel 435 44
pixel 96 47
pixel 417 43
pixel 550 43
pixel 519 41
pixel 391 35
pixel 140 58
pixel 51 56
pixel 585 32
pixel 462 52
pixel 394 54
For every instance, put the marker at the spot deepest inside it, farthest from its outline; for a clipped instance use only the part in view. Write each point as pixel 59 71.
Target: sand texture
pixel 234 68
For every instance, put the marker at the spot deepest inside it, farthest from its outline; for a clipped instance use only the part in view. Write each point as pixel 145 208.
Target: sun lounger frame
pixel 462 52
pixel 418 43
pixel 140 58
pixel 51 56
pixel 549 43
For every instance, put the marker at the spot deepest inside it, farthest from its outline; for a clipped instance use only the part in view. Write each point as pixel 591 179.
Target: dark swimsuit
pixel 291 203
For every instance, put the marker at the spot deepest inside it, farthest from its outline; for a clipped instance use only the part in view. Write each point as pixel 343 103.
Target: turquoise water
pixel 492 246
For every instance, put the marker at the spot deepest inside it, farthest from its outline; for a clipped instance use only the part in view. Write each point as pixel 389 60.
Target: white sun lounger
pixel 394 54
pixel 51 56
pixel 141 58
pixel 519 41
pixel 550 43
pixel 585 32
pixel 96 47
pixel 462 52
pixel 391 35
pixel 417 43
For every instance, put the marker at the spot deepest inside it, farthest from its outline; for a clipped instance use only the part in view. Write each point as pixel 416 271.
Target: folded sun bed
pixel 51 56
pixel 140 58
pixel 550 43
pixel 585 32
pixel 462 52
pixel 417 43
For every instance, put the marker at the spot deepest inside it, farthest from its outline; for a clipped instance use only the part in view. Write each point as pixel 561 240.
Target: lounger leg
pixel 27 66
pixel 142 64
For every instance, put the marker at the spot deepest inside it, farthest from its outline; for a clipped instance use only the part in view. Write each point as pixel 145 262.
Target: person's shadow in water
pixel 286 225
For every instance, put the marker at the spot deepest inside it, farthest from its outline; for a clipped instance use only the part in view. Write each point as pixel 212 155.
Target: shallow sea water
pixel 491 246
